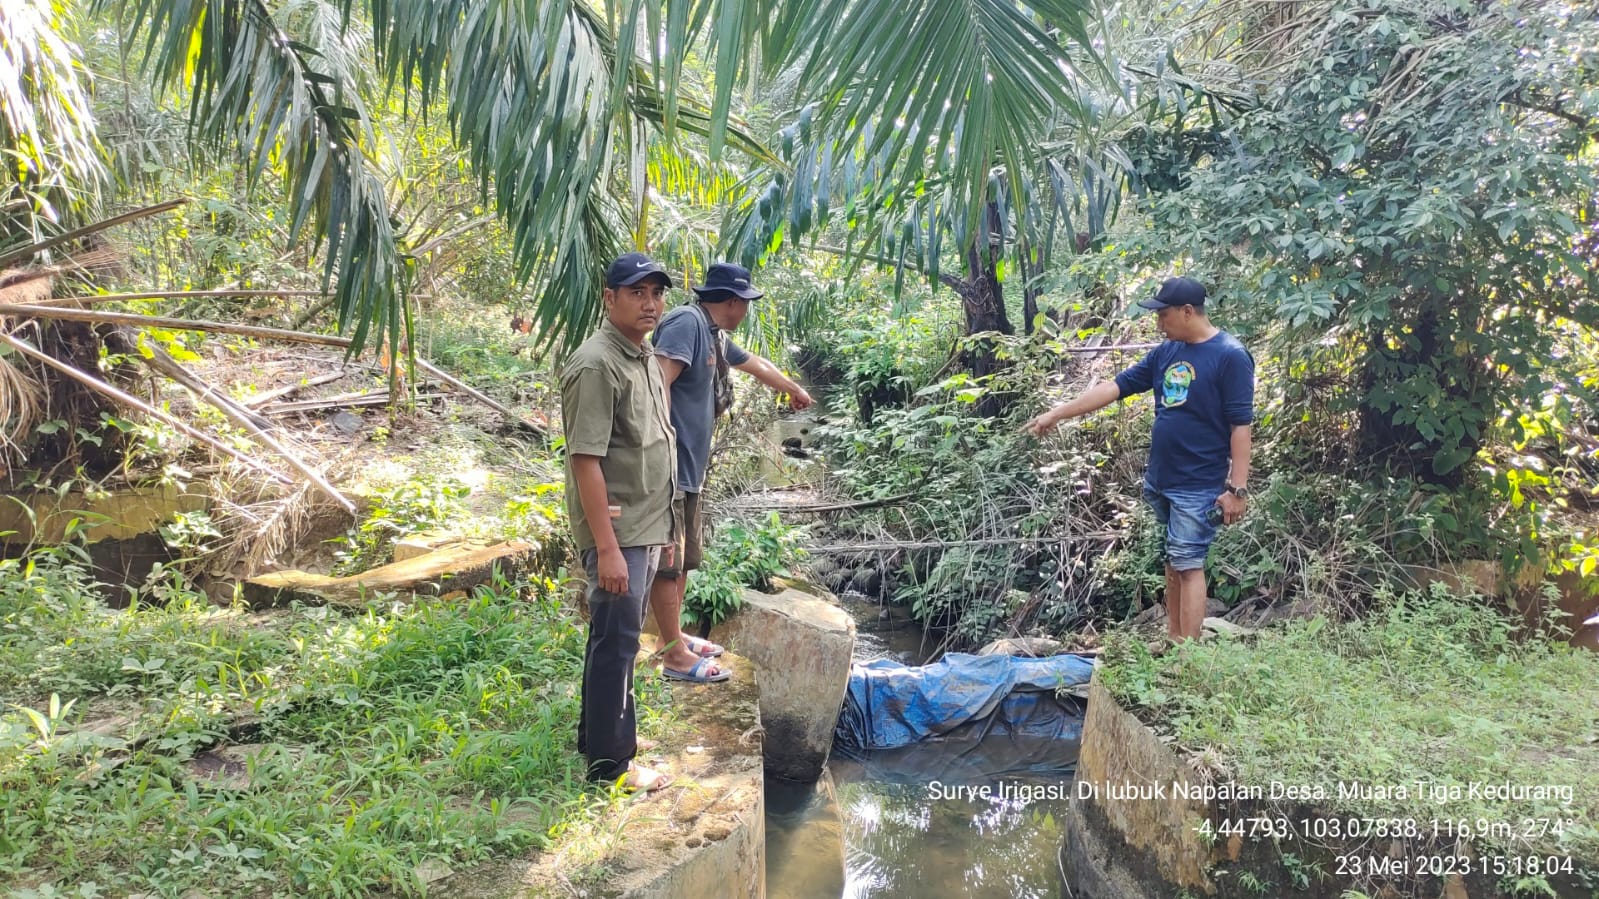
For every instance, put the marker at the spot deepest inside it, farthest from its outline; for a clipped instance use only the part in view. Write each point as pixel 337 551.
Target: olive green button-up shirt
pixel 613 405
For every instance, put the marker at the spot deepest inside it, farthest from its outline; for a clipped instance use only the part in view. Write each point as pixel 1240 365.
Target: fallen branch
pixel 1109 348
pixel 28 252
pixel 942 544
pixel 134 402
pixel 261 399
pixel 161 362
pixel 176 324
pixel 92 299
pixel 835 507
pixel 478 395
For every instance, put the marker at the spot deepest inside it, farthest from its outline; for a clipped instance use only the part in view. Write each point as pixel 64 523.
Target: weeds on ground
pixel 1429 688
pixel 414 505
pixel 402 738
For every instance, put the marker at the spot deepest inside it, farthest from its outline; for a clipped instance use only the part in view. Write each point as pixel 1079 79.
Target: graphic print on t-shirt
pixel 1174 385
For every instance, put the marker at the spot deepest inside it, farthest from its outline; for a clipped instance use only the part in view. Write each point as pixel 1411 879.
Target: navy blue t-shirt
pixel 684 335
pixel 1202 391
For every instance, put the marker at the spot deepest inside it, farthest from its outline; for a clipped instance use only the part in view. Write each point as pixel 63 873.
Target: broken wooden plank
pixel 376 398
pixel 436 573
pixel 261 399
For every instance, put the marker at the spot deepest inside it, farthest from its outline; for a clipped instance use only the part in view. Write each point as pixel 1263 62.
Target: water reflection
pixel 911 825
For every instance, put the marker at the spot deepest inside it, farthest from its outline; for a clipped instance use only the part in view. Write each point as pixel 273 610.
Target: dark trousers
pixel 607 732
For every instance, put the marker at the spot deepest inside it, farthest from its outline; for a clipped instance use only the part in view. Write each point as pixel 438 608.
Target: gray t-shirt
pixel 685 336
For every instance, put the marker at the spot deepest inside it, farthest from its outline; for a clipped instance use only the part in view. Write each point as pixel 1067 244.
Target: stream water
pixel 975 819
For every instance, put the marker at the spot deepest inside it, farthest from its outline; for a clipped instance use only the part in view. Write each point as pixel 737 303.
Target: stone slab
pixel 801 647
pixel 434 574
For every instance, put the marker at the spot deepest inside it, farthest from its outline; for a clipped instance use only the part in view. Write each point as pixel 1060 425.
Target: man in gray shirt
pixel 695 355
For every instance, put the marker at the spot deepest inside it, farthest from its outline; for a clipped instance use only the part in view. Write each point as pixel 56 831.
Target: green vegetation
pixel 434 732
pixel 415 505
pixel 1427 688
pixel 739 555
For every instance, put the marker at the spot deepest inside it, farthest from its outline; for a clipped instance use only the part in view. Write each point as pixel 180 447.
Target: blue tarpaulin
pixel 889 705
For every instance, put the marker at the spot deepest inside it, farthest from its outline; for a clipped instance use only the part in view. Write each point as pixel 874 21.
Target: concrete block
pixel 801 646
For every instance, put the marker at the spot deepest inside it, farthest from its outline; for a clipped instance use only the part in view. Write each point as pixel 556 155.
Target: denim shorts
pixel 1188 532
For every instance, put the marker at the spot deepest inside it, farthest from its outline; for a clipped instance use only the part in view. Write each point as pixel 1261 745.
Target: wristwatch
pixel 1240 492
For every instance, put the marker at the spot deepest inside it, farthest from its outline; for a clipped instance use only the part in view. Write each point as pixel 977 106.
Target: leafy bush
pixel 740 555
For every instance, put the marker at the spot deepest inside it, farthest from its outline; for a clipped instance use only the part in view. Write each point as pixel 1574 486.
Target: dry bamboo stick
pixel 261 399
pixel 28 252
pixel 179 324
pixel 163 363
pixel 476 394
pixel 176 324
pixel 835 507
pixel 134 402
pixel 121 341
pixel 375 399
pixel 92 299
pixel 192 295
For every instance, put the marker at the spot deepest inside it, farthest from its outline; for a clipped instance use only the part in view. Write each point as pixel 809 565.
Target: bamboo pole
pixel 283 334
pixel 476 394
pixel 176 324
pixel 134 402
pixel 164 364
pixel 378 398
pixel 192 295
pixel 835 507
pixel 28 252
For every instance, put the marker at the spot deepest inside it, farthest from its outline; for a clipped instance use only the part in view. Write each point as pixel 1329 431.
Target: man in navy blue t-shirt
pixel 1204 385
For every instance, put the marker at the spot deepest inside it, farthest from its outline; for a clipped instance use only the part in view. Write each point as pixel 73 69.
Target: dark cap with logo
pixel 1176 292
pixel 631 268
pixel 724 280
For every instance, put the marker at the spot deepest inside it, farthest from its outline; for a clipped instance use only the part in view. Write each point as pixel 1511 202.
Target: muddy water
pixel 974 819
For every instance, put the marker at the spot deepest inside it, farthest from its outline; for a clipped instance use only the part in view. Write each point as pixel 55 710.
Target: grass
pixel 397 740
pixel 1431 688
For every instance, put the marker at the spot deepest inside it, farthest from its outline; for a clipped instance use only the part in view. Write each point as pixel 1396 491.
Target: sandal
pixel 705 649
pixel 648 780
pixel 697 674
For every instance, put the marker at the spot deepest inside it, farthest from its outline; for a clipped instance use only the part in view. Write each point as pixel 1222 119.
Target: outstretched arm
pixel 1091 400
pixel 768 374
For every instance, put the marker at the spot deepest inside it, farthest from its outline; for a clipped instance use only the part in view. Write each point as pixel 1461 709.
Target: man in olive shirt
pixel 621 455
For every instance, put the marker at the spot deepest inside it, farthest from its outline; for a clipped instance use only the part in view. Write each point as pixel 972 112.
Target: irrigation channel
pixel 939 820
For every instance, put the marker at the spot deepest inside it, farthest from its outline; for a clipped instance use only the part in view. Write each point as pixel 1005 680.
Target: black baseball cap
pixel 1176 292
pixel 631 268
pixel 727 278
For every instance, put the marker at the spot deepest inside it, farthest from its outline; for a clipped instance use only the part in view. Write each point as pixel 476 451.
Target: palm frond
pixel 49 159
pixel 285 101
